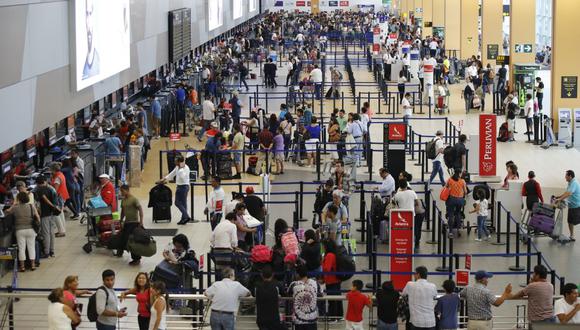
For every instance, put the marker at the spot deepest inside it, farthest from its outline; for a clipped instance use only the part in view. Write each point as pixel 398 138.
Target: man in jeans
pixel 131 217
pixel 225 299
pixel 437 168
pixel 47 198
pixel 181 175
pixel 107 303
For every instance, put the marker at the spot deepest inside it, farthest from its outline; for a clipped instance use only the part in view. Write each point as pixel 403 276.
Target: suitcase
pixel 105 237
pixel 162 213
pixel 544 209
pixel 193 163
pixel 384 231
pixel 170 274
pixel 542 223
pixel 107 225
pixel 224 170
pixel 329 93
pixel 252 76
pixel 253 161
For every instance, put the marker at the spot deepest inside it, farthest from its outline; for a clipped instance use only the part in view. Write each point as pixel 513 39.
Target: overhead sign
pixel 418 10
pixel 502 59
pixel 174 137
pixel 300 3
pixel 492 51
pixel 462 277
pixel 344 3
pixel 569 87
pixel 523 48
pixel 427 24
pixel 487 145
pixel 333 3
pixel 401 242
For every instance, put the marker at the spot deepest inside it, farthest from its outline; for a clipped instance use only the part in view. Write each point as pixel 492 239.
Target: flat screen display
pixel 253 5
pixel 215 14
pixel 238 7
pixel 102 40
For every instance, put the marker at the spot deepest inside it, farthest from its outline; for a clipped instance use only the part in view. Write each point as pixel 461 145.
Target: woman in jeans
pixel 457 191
pixel 25 215
pixel 387 301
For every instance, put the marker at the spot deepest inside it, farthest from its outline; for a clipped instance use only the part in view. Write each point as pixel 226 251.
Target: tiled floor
pixel 549 166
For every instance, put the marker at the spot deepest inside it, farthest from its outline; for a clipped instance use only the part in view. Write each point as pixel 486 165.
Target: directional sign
pixel 492 51
pixel 569 87
pixel 524 48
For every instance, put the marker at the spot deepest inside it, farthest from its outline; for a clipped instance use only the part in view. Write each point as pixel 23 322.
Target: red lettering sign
pixel 397 132
pixel 376 30
pixel 487 145
pixel 174 137
pixel 376 47
pixel 300 3
pixel 462 277
pixel 344 3
pixel 201 261
pixel 401 242
pixel 227 106
pixel 468 261
pixel 428 68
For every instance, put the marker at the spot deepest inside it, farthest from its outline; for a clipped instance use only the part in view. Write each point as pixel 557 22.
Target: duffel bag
pixel 141 235
pixel 143 250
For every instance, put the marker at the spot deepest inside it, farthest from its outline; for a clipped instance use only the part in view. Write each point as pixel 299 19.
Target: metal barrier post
pixel 301 203
pixel 191 201
pixel 430 107
pixel 443 267
pixel 508 233
pixel 562 283
pixel 296 210
pixel 498 227
pixel 528 259
pixel 160 164
pixel 553 279
pixel 427 206
pixel 441 230
pixel 419 160
pixel 434 225
pixel 206 197
pixel 451 255
pixel 412 142
pixel 209 269
pixel 517 267
pixel 318 161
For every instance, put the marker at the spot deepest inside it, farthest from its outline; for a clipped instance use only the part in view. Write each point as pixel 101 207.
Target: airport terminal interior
pixel 188 143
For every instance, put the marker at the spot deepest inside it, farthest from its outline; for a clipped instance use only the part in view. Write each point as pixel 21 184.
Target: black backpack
pixel 449 156
pixel 344 263
pixel 92 314
pixel 431 149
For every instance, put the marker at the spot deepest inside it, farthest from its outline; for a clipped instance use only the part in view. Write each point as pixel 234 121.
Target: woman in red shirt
pixel 70 293
pixel 58 182
pixel 332 281
pixel 141 291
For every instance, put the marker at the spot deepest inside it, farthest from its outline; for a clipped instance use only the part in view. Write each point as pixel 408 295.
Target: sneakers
pixel 478 239
pixel 135 263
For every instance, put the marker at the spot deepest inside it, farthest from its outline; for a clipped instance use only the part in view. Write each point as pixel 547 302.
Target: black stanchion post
pixel 160 164
pixel 553 279
pixel 301 212
pixel 191 201
pixel 296 210
pixel 498 226
pixel 318 161
pixel 427 206
pixel 369 247
pixel 441 231
pixel 562 283
pixel 443 267
pixel 206 192
pixel 434 223
pixel 451 256
pixel 209 269
pixel 528 259
pixel 508 233
pixel 517 267
pixel 539 256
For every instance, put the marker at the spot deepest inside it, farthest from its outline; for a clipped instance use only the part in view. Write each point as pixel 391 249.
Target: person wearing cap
pixel 438 160
pixel 540 294
pixel 387 186
pixel 108 192
pixel 58 182
pixel 422 296
pixel 479 300
pixel 181 174
pixel 532 191
pixel 215 202
pixel 254 204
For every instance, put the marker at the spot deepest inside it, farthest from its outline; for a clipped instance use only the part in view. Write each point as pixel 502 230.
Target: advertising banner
pixel 487 145
pixel 344 4
pixel 401 239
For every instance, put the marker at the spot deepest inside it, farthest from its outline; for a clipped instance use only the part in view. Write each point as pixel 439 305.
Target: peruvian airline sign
pixel 487 145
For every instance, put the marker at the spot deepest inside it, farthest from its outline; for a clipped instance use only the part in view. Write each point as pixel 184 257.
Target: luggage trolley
pixel 545 220
pixel 97 236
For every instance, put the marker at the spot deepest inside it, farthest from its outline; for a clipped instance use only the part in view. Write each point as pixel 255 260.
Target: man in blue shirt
pixel 155 116
pixel 113 148
pixel 142 118
pixel 209 154
pixel 180 95
pixel 572 195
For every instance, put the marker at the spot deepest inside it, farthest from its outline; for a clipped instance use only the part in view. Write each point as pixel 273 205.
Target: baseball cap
pixel 249 190
pixel 439 132
pixel 104 176
pixel 481 274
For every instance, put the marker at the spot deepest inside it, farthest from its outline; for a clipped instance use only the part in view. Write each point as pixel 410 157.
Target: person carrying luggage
pixel 131 218
pixel 182 179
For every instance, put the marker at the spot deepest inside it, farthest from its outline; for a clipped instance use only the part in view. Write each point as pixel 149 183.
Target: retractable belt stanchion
pixel 427 207
pixel 444 237
pixel 517 267
pixel 160 164
pixel 451 258
pixel 508 233
pixel 206 197
pixel 528 259
pixel 301 203
pixel 498 226
pixel 362 213
pixel 434 221
pixel 296 221
pixel 318 161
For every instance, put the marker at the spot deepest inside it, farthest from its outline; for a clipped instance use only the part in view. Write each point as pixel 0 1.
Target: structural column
pixel 428 17
pixel 523 33
pixel 469 28
pixel 314 6
pixel 418 11
pixel 491 30
pixel 453 27
pixel 565 55
pixel 438 16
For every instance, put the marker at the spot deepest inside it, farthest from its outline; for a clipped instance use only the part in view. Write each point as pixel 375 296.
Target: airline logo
pixel 397 132
pixel 487 145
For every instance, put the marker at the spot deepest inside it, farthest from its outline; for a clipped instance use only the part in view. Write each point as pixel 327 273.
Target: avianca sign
pixel 487 145
pixel 397 132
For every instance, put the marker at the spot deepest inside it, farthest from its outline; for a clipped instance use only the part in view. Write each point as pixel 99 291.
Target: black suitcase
pixel 225 168
pixel 162 213
pixel 193 163
pixel 170 274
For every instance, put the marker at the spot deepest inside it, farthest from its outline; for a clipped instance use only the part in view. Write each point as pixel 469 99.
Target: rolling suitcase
pixel 170 274
pixel 543 209
pixel 542 223
pixel 384 231
pixel 224 170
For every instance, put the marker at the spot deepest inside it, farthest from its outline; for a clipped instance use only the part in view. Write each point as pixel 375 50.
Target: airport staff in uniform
pixel 181 174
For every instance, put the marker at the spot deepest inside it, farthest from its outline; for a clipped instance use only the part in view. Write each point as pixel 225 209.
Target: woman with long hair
pixel 159 306
pixel 387 302
pixel 332 281
pixel 457 191
pixel 70 293
pixel 60 316
pixel 141 290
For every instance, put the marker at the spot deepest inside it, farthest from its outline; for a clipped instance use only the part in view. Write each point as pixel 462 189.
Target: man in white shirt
pixel 422 295
pixel 387 186
pixel 215 202
pixel 181 174
pixel 223 242
pixel 433 45
pixel 225 300
pixel 208 116
pixel 529 111
pixel 316 77
pixel 438 161
pixel 299 38
pixel 566 309
pixel 405 197
pixel 407 108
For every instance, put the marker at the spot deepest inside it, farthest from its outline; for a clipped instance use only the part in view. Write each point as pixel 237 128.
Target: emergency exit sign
pixel 523 48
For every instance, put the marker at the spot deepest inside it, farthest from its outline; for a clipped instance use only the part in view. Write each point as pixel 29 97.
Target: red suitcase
pixel 106 225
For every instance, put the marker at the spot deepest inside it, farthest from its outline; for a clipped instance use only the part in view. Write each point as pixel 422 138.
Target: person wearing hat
pixel 479 300
pixel 438 160
pixel 532 191
pixel 254 204
pixel 108 192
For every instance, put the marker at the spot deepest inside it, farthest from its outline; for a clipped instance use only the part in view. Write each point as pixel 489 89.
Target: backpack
pixel 290 243
pixel 449 156
pixel 92 314
pixel 467 91
pixel 431 149
pixel 344 263
pixel 261 254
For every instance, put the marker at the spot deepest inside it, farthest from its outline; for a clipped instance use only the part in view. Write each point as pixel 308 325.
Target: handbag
pixel 444 195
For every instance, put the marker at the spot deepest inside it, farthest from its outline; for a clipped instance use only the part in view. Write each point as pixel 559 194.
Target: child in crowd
pixel 447 307
pixel 481 208
pixel 356 304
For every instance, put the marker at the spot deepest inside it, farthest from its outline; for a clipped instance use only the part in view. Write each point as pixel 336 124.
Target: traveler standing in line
pixel 181 175
pixel 304 292
pixel 155 116
pixel 310 251
pixel 316 77
pixel 223 242
pixel 480 207
pixel 60 316
pixel 107 303
pixel 356 304
pixel 532 191
pixel 539 87
pixel 243 70
pixel 567 308
pixel 215 203
pixel 457 192
pixel 79 166
pixel 237 107
pixel 407 108
pixel 238 146
pixel 438 160
pixel 529 111
pixel 332 281
pixel 255 204
pixel 265 142
pixel 401 85
pixel 460 155
pixel 333 138
pixel 131 218
pixel 225 300
pixel 207 115
pixel 267 293
pixel 25 219
pixel 387 187
pixel 572 196
pixel 357 130
pixel 447 307
pixel 279 150
pixel 422 295
pixel 70 294
pixel 405 197
pixel 540 294
pixel 312 144
pixel 141 291
pixel 47 199
pixel 159 306
pixel 479 300
pixel 58 182
pixel 387 302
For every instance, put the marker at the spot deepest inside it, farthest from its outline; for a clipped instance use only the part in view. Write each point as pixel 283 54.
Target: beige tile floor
pixel 70 259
